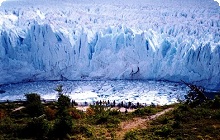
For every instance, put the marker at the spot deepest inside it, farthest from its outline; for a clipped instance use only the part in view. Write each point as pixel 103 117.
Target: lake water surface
pixel 157 92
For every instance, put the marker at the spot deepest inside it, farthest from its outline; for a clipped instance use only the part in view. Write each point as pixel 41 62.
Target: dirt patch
pixel 137 123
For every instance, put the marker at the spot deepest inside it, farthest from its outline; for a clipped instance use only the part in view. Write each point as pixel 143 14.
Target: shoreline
pixel 121 109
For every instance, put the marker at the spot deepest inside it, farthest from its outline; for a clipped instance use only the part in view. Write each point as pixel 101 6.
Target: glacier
pixel 93 39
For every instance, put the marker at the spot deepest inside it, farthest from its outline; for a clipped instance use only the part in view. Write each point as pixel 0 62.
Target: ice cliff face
pixel 84 40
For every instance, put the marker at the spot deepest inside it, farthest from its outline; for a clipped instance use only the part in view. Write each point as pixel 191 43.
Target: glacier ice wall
pixel 87 40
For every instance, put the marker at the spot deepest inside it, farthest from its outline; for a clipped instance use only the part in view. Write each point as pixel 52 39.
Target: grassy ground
pixel 101 123
pixel 184 123
pixel 98 122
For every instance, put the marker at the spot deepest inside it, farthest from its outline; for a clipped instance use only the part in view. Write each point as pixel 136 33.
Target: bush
pixel 62 127
pixel 98 114
pixel 33 105
pixel 98 109
pixel 164 131
pixel 176 125
pixel 179 138
pixel 144 111
pixel 139 112
pixel 216 115
pixel 180 114
pixel 114 112
pixel 216 102
pixel 63 102
pixel 2 114
pixel 101 119
pixel 131 135
pixel 201 113
pixel 9 129
pixel 6 125
pixel 50 113
pixel 113 122
pixel 37 128
pixel 163 120
pixel 84 130
pixel 90 112
pixel 76 114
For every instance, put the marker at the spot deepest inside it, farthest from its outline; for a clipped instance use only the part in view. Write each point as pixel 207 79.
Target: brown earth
pixel 137 123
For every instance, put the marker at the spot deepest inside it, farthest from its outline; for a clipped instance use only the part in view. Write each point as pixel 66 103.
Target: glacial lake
pixel 145 92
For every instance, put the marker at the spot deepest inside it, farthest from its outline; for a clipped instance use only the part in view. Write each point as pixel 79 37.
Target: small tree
pixel 33 105
pixel 63 124
pixel 196 96
pixel 59 89
pixel 63 102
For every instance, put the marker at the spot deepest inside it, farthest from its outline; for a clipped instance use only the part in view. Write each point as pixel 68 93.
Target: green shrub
pixel 201 113
pixel 113 122
pixel 131 135
pixel 176 125
pixel 179 138
pixel 180 115
pixel 84 130
pixel 139 112
pixel 98 109
pixel 216 115
pixel 9 129
pixel 62 127
pixel 164 131
pixel 184 107
pixel 102 119
pixel 63 102
pixel 145 111
pixel 216 102
pixel 33 105
pixel 163 119
pixel 37 128
pixel 6 125
pixel 114 112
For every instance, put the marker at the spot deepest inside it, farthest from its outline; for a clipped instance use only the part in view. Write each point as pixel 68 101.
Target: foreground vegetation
pixel 32 119
pixel 194 119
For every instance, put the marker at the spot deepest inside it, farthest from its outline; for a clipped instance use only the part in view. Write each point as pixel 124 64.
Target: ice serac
pixel 93 42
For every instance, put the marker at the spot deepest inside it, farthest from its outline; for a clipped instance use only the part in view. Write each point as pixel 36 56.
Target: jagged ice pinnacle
pixel 85 40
